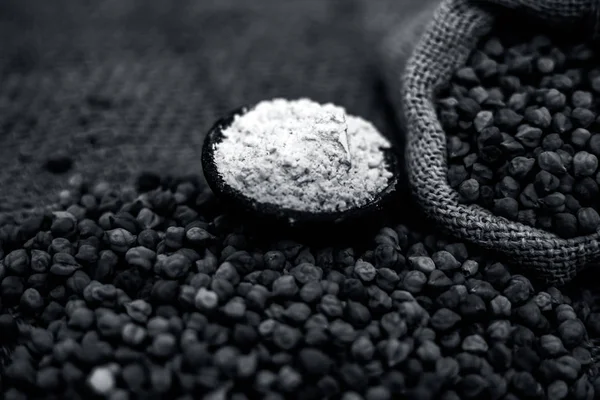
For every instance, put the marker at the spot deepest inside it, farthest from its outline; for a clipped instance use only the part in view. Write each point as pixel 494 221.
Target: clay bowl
pixel 304 223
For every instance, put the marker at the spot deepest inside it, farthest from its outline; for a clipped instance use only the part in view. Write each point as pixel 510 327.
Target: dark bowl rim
pixel 233 196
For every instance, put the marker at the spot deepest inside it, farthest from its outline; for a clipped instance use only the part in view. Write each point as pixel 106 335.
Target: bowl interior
pixel 240 201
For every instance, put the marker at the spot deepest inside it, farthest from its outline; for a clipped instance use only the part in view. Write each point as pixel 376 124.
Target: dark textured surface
pixel 130 85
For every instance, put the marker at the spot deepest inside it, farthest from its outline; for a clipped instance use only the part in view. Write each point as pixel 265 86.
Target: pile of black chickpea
pixel 159 294
pixel 524 132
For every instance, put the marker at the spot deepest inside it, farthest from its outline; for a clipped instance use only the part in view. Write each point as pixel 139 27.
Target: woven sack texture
pixel 447 40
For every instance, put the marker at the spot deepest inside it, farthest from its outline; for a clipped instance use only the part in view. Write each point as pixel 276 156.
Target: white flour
pixel 301 155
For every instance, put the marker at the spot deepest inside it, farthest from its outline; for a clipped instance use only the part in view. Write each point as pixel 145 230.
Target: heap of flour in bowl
pixel 304 156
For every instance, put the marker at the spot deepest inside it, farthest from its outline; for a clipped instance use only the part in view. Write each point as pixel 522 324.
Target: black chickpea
pixel 541 129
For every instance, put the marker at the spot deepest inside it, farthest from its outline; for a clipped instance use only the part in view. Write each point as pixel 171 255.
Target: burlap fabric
pixel 445 44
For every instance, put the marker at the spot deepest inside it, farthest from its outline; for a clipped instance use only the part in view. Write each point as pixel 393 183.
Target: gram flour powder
pixel 304 156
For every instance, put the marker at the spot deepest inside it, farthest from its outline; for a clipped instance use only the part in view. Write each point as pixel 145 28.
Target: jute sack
pixel 448 38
